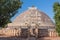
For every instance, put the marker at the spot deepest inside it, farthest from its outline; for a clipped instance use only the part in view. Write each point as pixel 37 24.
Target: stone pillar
pixel 52 33
pixel 14 32
pixel 19 32
pixel 36 32
pixel 31 32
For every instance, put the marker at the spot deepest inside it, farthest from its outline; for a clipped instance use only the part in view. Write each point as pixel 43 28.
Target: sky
pixel 45 6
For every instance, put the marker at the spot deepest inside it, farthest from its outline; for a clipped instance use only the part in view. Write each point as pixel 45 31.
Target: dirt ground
pixel 31 38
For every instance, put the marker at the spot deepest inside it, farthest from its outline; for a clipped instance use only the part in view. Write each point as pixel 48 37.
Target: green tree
pixel 8 9
pixel 56 8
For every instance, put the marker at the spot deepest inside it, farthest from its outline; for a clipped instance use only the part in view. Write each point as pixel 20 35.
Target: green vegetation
pixel 8 9
pixel 56 8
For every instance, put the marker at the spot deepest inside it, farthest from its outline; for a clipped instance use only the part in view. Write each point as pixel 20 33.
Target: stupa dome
pixel 33 16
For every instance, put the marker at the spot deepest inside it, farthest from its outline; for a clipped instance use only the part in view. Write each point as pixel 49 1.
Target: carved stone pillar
pixel 19 32
pixel 31 32
pixel 52 33
pixel 36 32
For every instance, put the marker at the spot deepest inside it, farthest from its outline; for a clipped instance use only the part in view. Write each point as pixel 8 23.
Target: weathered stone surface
pixel 30 25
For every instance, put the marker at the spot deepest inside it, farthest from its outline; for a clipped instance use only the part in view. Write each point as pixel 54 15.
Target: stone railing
pixel 9 32
pixel 5 32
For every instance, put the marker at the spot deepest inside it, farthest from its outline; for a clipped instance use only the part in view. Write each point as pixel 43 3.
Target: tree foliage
pixel 56 8
pixel 8 9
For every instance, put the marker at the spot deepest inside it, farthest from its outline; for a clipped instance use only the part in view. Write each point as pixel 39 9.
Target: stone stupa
pixel 34 19
pixel 32 22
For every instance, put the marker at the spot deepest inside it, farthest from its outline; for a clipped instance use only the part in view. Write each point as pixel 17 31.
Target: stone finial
pixel 33 7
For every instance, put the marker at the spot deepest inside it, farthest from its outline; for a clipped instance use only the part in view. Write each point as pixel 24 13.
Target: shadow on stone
pixel 19 38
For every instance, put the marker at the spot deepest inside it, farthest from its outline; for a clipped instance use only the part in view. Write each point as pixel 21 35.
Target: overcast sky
pixel 44 5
